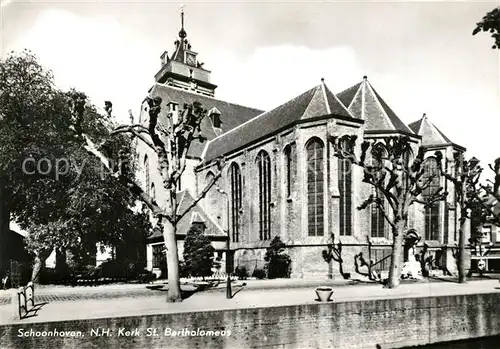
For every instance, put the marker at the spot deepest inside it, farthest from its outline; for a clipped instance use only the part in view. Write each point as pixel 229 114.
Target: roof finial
pixel 424 116
pixel 365 78
pixel 322 80
pixel 182 33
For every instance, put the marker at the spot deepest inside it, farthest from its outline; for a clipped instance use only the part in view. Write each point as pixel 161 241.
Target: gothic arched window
pixel 236 202
pixel 315 188
pixel 288 169
pixel 153 192
pixel 345 191
pixel 431 176
pixel 147 183
pixel 264 168
pixel 212 205
pixel 377 215
pixel 406 168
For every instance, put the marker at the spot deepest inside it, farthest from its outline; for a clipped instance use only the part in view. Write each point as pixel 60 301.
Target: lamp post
pixel 229 293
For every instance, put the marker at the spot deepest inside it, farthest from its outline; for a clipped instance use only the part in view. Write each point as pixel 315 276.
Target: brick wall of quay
pixel 392 323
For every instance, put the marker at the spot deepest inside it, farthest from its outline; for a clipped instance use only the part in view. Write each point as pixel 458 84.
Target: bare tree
pixel 334 253
pixel 465 180
pixel 171 142
pixel 488 195
pixel 399 181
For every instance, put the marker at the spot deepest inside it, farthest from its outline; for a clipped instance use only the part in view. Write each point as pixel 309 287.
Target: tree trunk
pixel 61 264
pixel 37 269
pixel 38 264
pixel 4 231
pixel 464 227
pixel 396 257
pixel 174 283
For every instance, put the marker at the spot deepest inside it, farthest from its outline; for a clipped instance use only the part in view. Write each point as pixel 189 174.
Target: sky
pixel 421 57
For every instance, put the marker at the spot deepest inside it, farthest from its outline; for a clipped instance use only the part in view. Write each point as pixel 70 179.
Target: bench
pixel 26 299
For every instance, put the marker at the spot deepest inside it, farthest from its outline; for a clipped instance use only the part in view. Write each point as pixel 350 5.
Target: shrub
pixel 183 270
pixel 54 276
pixel 259 273
pixel 198 253
pixel 146 276
pixel 241 273
pixel 278 260
pixel 111 269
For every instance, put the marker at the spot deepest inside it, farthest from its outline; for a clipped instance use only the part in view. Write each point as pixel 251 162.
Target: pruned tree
pixel 490 23
pixel 170 138
pixel 465 179
pixel 334 253
pixel 487 196
pixel 398 180
pixel 360 261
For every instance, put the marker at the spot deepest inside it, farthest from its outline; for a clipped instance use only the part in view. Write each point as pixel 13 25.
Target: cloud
pixel 4 3
pixel 110 62
pixel 95 55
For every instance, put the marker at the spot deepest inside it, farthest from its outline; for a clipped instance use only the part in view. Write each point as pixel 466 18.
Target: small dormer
pixel 214 115
pixel 164 58
pixel 173 110
pixel 198 222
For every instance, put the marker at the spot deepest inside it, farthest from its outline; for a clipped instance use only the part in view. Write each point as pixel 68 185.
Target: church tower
pixel 182 69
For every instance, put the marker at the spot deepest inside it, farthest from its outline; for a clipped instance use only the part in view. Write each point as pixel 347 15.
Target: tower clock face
pixel 190 59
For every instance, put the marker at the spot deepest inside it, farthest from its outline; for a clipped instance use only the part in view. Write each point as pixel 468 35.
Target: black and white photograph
pixel 249 174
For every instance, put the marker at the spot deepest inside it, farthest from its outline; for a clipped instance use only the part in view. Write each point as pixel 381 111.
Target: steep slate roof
pixel 196 215
pixel 318 101
pixel 365 103
pixel 232 115
pixel 431 135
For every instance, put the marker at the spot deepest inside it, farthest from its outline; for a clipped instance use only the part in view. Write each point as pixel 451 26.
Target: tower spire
pixel 182 33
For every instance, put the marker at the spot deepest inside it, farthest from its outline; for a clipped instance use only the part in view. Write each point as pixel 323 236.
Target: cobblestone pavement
pixel 63 297
pixel 62 294
pixel 155 303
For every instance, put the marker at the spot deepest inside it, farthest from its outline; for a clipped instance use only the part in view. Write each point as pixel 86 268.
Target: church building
pixel 281 176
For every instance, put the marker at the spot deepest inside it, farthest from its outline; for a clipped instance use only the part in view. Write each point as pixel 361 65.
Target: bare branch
pixel 203 192
pixel 136 133
pixel 126 181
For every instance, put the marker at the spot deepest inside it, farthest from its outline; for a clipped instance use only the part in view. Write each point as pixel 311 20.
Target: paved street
pixel 109 305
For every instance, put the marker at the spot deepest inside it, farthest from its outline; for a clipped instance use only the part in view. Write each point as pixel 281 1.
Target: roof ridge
pixel 205 96
pixel 411 125
pixel 211 219
pixel 351 88
pixel 360 89
pixel 313 102
pixel 443 135
pixel 323 89
pixel 337 100
pixel 180 201
pixel 421 124
pixel 445 139
pixel 384 112
pixel 263 113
